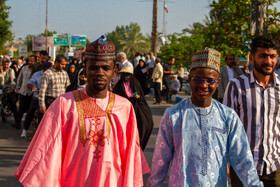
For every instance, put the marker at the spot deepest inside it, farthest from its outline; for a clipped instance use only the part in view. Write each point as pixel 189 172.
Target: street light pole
pixel 46 30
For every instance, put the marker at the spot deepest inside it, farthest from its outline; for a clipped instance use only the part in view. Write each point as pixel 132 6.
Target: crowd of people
pixel 96 122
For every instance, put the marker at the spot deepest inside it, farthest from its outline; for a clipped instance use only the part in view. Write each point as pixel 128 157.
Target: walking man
pixel 87 137
pixel 199 134
pixel 227 73
pixel 25 94
pixel 255 97
pixel 53 83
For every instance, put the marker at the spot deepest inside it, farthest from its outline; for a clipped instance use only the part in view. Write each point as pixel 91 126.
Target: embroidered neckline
pixel 198 112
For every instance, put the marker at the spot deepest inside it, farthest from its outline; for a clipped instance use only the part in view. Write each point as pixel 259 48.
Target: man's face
pixel 99 74
pixel 43 58
pixel 60 66
pixel 5 66
pixel 125 76
pixel 264 60
pixel 31 61
pixel 120 59
pixel 172 61
pixel 230 61
pixel 203 91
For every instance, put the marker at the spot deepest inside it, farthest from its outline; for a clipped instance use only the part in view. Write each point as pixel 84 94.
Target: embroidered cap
pixel 100 51
pixel 126 69
pixel 209 58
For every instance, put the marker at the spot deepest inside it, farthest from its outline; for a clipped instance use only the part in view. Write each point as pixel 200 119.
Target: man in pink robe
pixel 87 137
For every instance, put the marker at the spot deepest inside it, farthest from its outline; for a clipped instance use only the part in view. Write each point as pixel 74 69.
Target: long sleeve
pixel 19 79
pixel 42 162
pixel 42 91
pixel 13 77
pixel 230 96
pixel 135 166
pixel 163 153
pixel 240 155
pixel 221 89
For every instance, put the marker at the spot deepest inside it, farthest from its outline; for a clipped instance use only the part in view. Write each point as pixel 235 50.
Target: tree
pixel 129 36
pixel 5 24
pixel 181 48
pixel 133 42
pixel 229 27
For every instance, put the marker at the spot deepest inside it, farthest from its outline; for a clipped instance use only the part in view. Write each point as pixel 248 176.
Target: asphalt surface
pixel 12 147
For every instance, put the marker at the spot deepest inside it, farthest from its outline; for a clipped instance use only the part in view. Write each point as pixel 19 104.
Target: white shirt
pixel 230 73
pixel 152 62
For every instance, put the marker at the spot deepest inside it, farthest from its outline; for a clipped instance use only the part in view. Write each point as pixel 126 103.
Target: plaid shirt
pixel 22 80
pixel 53 84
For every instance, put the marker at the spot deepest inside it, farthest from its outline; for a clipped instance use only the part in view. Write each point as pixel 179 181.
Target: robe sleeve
pixel 41 164
pixel 240 155
pixel 163 153
pixel 135 162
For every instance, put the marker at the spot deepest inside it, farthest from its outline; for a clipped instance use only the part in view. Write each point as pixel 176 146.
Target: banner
pixel 39 43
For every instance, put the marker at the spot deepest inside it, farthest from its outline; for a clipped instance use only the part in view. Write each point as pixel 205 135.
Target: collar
pixel 276 78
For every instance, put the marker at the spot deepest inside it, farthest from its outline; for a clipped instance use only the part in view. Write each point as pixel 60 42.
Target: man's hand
pixel 43 110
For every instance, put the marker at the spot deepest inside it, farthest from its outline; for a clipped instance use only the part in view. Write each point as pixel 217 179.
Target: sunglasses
pixel 199 80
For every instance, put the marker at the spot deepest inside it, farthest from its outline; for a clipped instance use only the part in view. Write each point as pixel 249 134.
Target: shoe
pixel 156 103
pixel 17 126
pixel 23 134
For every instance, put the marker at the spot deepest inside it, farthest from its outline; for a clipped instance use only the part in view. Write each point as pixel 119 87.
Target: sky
pixel 96 17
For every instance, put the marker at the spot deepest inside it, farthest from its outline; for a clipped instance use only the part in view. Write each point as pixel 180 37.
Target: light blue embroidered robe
pixel 198 146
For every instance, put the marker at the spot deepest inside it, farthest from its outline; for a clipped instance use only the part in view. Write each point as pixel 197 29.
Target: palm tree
pixel 133 42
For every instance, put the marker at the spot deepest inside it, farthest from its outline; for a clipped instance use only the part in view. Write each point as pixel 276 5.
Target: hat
pixel 46 64
pixel 126 69
pixel 209 58
pixel 100 51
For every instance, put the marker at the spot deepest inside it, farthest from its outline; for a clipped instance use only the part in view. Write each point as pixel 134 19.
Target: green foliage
pixel 227 29
pixel 129 39
pixel 50 33
pixel 5 24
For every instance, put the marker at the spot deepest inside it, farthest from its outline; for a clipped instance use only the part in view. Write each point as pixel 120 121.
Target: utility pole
pixel 258 24
pixel 46 30
pixel 154 28
pixel 163 21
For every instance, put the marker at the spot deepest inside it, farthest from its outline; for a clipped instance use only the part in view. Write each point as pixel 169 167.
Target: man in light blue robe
pixel 199 133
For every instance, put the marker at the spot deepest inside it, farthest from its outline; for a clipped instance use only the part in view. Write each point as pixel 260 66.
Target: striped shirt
pixel 22 80
pixel 258 109
pixel 53 84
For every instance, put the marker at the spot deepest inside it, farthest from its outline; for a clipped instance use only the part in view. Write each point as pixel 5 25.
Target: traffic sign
pixel 78 40
pixel 60 40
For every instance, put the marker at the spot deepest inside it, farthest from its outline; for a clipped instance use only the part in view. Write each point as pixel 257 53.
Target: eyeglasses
pixel 199 80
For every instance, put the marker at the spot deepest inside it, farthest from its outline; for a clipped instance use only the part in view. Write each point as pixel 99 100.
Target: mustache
pixel 267 65
pixel 99 79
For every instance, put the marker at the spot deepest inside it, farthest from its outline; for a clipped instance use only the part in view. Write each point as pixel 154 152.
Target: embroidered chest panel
pixel 87 108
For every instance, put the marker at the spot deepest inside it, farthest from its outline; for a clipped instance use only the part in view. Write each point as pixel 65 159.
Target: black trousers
pixel 34 105
pixel 11 97
pixel 181 82
pixel 48 101
pixel 271 180
pixel 157 91
pixel 24 103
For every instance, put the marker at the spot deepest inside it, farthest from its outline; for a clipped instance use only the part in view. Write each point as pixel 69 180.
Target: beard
pixel 259 68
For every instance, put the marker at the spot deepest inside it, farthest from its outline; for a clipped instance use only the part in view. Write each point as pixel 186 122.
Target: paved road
pixel 12 147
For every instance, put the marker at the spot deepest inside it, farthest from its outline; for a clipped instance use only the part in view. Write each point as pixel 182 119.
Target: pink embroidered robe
pixel 109 156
